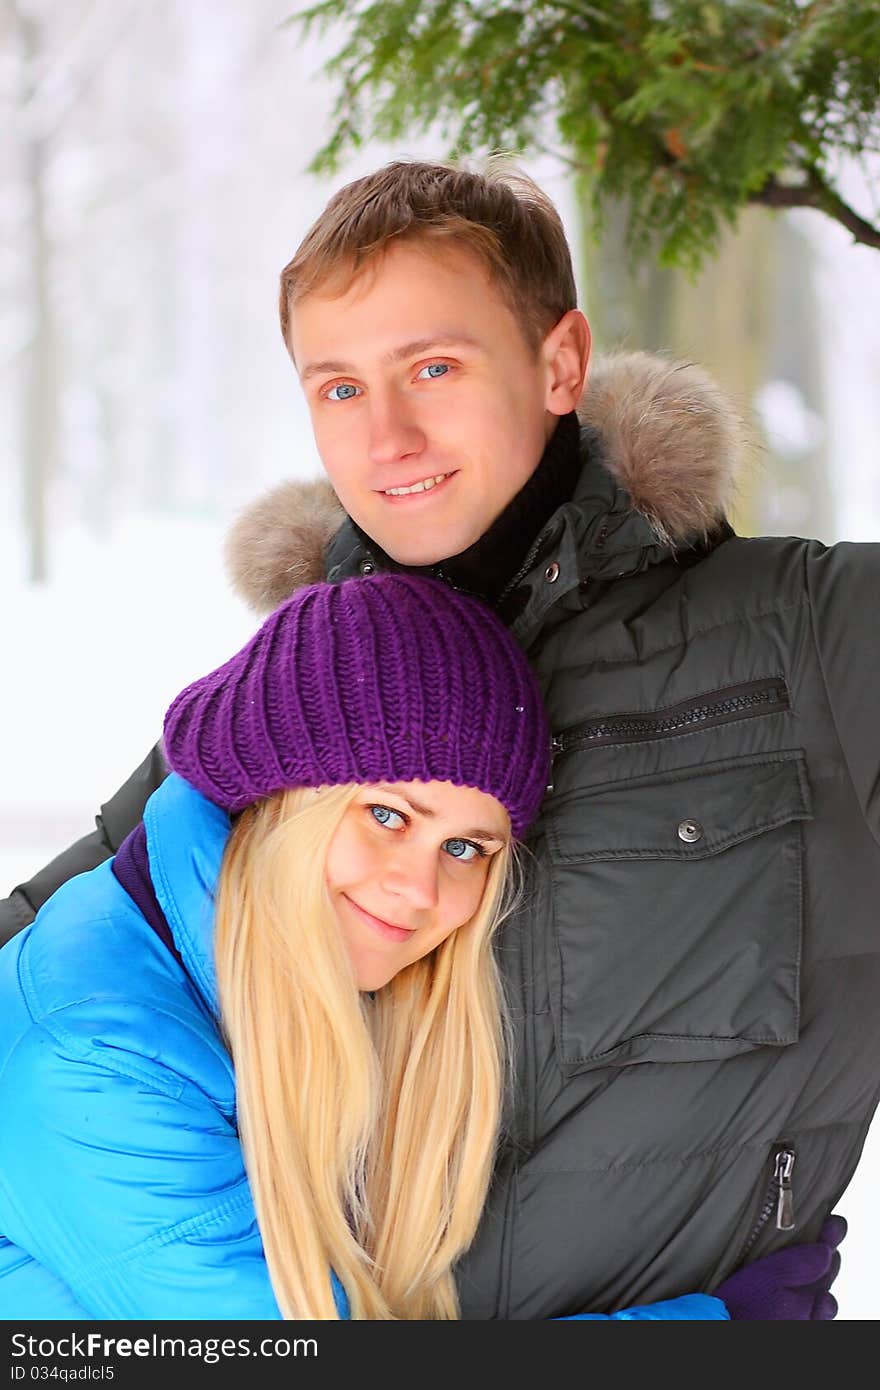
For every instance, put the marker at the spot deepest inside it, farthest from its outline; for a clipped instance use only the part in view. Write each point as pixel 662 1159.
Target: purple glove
pixel 791 1284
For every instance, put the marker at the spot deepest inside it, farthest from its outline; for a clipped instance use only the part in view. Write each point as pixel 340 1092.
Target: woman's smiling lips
pixel 386 929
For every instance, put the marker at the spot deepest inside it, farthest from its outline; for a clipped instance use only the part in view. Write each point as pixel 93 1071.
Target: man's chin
pixel 422 548
pixel 423 559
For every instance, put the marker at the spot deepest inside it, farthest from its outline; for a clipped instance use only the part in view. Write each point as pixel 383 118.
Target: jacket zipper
pixel 779 1197
pixel 531 556
pixel 733 702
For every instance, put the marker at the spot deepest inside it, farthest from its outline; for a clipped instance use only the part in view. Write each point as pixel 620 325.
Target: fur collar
pixel 671 439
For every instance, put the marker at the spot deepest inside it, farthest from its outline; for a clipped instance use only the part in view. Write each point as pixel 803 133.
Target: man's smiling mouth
pixel 424 485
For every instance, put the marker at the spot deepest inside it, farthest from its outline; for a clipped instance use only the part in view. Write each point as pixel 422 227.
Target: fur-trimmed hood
pixel 671 438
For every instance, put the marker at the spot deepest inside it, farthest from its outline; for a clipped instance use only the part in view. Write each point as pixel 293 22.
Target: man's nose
pixel 394 433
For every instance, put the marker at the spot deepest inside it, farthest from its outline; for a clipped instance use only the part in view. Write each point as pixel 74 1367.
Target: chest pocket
pixel 677 903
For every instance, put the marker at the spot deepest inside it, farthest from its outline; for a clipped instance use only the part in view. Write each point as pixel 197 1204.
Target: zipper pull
pixel 785 1200
pixel 555 750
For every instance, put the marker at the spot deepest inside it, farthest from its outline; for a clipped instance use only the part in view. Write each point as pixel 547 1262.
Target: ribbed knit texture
pixel 391 678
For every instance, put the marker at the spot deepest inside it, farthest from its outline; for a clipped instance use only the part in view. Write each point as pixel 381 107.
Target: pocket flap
pixel 686 814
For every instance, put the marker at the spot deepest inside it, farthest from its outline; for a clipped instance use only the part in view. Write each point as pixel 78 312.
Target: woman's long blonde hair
pixel 368 1122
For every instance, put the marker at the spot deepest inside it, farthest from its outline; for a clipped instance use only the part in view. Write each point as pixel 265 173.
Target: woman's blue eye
pixel 384 815
pixel 435 369
pixel 464 850
pixel 345 392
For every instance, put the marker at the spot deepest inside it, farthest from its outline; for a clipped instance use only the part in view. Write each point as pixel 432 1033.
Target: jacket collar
pixel 186 837
pixel 660 448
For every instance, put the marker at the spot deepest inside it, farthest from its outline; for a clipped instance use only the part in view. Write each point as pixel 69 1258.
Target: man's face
pixel 419 377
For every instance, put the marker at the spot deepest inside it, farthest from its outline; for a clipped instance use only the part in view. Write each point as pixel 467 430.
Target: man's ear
pixel 566 354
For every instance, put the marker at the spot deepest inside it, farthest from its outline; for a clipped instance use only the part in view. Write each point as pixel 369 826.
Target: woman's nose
pixel 414 876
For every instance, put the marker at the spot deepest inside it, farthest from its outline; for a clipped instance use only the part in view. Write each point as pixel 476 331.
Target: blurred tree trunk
pixel 749 319
pixel 39 434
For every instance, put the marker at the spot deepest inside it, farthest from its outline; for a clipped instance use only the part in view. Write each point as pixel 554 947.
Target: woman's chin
pixel 368 984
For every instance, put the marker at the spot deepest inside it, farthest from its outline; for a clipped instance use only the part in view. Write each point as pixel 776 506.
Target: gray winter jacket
pixel 695 972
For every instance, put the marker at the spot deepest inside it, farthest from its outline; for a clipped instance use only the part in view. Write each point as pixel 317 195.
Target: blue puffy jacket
pixel 123 1193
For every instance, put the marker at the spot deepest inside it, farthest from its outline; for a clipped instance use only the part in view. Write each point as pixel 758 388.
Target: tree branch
pixel 576 166
pixel 815 193
pixel 587 12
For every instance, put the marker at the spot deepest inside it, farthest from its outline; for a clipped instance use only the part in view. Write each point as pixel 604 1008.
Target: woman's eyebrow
pixel 477 833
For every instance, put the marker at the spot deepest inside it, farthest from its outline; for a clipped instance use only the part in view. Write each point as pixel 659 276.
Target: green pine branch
pixel 691 110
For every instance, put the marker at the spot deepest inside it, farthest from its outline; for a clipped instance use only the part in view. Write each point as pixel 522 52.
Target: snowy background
pixel 177 139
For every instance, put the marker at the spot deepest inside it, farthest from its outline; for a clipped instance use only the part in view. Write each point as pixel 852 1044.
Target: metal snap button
pixel 367 567
pixel 690 831
pixel 551 573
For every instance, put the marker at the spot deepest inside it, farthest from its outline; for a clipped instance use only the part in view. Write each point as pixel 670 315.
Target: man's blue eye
pixel 464 850
pixel 435 369
pixel 385 816
pixel 345 392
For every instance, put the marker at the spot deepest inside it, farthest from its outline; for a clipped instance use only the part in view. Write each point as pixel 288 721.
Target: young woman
pixel 254 1066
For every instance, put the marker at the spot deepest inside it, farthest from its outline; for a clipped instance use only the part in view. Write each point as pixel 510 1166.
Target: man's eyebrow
pixel 477 833
pixel 332 367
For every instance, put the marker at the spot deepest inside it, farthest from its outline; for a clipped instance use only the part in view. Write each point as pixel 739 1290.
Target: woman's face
pixel 406 867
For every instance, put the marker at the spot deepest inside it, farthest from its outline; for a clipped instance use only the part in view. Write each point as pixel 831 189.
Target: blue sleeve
pixel 694 1307
pixel 126 1181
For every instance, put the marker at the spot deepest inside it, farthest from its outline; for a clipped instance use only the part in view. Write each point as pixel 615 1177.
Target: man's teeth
pixel 424 486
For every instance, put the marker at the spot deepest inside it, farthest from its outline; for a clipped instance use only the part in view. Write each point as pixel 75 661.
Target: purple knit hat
pixel 391 678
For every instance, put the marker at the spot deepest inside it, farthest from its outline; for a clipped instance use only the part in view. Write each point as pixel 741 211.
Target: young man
pixel 694 973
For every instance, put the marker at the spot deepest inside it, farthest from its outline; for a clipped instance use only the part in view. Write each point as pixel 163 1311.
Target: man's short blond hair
pixel 498 213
